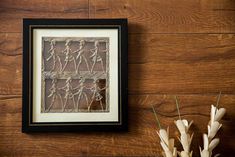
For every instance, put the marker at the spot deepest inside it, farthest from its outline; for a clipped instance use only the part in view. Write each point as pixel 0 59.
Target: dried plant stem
pixel 218 99
pixel 169 150
pixel 177 106
pixel 156 117
pixel 185 138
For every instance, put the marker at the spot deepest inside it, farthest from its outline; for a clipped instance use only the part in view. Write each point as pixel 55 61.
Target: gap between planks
pixel 167 33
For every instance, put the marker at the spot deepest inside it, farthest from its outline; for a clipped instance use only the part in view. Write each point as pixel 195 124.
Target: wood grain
pixel 12 12
pixel 141 140
pixel 183 48
pixel 10 63
pixel 158 16
pixel 196 63
pixel 149 16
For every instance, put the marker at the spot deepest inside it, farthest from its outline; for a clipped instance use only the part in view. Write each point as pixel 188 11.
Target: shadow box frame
pixel 28 123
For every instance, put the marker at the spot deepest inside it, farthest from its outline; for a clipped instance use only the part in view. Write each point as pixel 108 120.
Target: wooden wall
pixel 183 47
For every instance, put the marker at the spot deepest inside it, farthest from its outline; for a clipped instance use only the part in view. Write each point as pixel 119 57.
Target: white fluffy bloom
pixel 167 143
pixel 208 142
pixel 185 138
pixel 208 146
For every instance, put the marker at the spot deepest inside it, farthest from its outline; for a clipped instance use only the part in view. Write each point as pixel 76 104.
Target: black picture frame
pixel 27 102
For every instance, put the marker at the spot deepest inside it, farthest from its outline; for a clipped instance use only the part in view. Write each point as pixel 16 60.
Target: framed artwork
pixel 74 75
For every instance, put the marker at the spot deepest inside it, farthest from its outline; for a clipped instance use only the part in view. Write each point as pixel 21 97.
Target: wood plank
pixel 12 12
pixel 141 140
pixel 10 63
pixel 167 63
pixel 158 16
pixel 163 60
pixel 180 48
pixel 173 77
pixel 158 63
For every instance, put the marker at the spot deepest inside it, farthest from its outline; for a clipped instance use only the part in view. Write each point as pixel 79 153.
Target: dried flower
pixel 217 114
pixel 185 138
pixel 167 143
pixel 213 127
pixel 183 125
pixel 208 146
pixel 209 142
